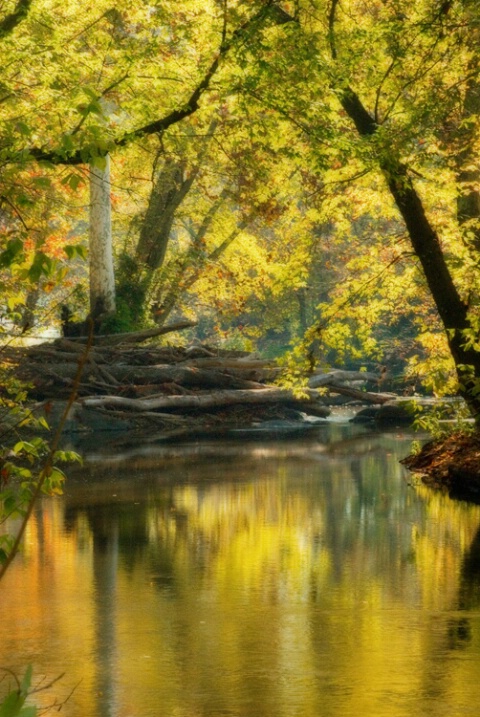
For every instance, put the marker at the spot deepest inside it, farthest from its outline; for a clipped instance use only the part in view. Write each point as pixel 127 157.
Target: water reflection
pixel 469 590
pixel 304 578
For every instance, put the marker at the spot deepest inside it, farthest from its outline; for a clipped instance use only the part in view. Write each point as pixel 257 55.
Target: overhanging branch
pixel 268 13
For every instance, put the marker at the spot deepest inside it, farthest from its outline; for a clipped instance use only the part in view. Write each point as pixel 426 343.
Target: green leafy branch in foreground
pixel 14 703
pixel 18 498
pixel 21 484
pixel 444 419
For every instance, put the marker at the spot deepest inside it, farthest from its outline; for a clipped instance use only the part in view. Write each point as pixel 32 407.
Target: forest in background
pixel 293 176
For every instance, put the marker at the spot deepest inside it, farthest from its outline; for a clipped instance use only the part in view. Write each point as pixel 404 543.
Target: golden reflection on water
pixel 304 579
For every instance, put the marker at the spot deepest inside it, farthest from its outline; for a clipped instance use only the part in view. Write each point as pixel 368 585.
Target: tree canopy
pixel 304 171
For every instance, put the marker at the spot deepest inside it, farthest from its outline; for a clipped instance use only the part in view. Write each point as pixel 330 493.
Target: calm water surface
pixel 256 579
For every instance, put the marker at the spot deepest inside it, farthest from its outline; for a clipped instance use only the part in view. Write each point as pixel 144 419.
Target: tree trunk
pixel 102 276
pixel 133 337
pixel 168 192
pixel 426 245
pixel 213 399
pixel 193 262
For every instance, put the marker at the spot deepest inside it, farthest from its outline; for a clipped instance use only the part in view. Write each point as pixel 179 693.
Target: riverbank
pixel 130 388
pixel 450 464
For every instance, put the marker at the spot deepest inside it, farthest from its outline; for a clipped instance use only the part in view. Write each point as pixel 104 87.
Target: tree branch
pixel 331 29
pixel 269 11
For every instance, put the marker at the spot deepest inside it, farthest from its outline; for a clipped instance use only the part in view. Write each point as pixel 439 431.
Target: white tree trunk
pixel 102 277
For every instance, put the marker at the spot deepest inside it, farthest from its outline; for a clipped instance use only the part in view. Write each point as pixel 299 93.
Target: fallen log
pixel 186 377
pixel 132 337
pixel 237 364
pixel 364 396
pixel 206 401
pixel 337 376
pixel 165 418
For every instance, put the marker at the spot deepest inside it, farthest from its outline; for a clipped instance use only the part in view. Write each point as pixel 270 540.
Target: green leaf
pixel 75 182
pixel 14 301
pixel 12 252
pixel 100 162
pixel 23 128
pixel 12 704
pixel 27 680
pixel 67 142
pixel 25 447
pixel 76 250
pixel 53 485
pixel 91 94
pixel 83 110
pixel 42 182
pixel 41 265
pixel 67 457
pixel 95 108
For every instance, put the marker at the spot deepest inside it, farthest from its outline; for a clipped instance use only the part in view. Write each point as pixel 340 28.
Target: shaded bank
pixel 451 464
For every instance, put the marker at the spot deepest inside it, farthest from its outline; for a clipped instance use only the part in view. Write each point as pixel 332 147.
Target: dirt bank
pixel 451 464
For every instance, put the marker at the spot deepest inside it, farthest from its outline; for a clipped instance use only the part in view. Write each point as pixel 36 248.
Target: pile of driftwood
pixel 121 382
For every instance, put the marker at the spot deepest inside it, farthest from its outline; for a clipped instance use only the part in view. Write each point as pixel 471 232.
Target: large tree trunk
pixel 102 276
pixel 170 188
pixel 426 245
pixel 172 184
pixel 168 192
pixel 194 262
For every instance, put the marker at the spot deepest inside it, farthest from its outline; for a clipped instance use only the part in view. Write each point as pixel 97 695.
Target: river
pixel 259 578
